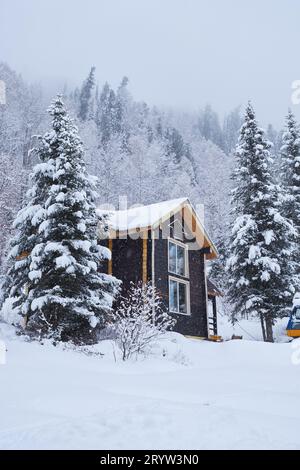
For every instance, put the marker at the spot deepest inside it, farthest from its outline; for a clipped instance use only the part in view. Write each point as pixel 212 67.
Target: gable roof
pixel 142 218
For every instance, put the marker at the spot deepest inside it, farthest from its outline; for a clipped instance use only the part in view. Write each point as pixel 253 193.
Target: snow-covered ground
pixel 188 394
pixel 251 329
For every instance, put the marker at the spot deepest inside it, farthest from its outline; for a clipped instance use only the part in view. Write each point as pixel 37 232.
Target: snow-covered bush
pixel 9 313
pixel 140 319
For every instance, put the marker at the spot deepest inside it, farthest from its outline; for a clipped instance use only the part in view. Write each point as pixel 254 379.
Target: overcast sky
pixel 182 53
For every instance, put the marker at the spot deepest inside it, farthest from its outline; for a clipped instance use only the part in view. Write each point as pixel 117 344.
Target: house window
pixel 176 230
pixel 178 258
pixel 179 296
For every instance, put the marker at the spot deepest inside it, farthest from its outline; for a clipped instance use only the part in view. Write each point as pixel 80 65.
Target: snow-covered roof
pixel 144 217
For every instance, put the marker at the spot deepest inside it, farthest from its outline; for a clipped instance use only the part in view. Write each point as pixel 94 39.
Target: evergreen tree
pixel 176 147
pixel 209 126
pixel 259 280
pixel 85 99
pixel 68 296
pixel 122 101
pixel 121 115
pixel 231 126
pixel 106 114
pixel 290 178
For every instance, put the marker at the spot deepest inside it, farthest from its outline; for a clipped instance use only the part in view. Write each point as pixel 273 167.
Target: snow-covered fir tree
pixel 259 279
pixel 105 114
pixel 290 175
pixel 290 179
pixel 68 296
pixel 85 99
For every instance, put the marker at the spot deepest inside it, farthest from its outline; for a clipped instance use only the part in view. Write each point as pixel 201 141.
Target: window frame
pixel 186 257
pixel 188 303
pixel 172 227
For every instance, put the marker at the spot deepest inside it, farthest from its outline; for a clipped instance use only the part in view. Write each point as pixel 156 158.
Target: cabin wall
pixel 127 261
pixel 194 324
pixel 127 265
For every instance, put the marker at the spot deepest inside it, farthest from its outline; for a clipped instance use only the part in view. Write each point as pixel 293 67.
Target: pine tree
pixel 85 98
pixel 68 296
pixel 259 281
pixel 209 126
pixel 231 126
pixel 121 112
pixel 105 114
pixel 290 179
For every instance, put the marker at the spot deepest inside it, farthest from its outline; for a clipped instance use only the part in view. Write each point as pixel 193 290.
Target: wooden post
pixel 110 246
pixel 144 261
pixel 215 315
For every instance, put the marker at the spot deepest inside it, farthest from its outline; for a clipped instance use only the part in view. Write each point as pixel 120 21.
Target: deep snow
pixel 188 394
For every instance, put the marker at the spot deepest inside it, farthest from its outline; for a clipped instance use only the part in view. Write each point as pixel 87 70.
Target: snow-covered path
pixel 237 394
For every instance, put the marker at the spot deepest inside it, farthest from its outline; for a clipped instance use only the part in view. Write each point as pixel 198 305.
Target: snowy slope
pixel 236 394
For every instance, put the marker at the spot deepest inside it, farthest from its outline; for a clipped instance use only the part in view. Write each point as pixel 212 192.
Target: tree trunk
pixel 269 330
pixel 263 329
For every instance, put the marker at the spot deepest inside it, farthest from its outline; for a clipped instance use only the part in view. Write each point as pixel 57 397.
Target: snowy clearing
pixel 188 394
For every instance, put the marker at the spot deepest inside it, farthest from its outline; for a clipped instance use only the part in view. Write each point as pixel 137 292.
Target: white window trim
pixel 172 226
pixel 188 306
pixel 186 257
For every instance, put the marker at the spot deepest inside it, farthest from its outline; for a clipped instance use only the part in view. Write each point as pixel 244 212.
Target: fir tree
pixel 85 98
pixel 105 115
pixel 209 126
pixel 290 174
pixel 68 296
pixel 122 101
pixel 231 126
pixel 290 178
pixel 259 281
pixel 121 111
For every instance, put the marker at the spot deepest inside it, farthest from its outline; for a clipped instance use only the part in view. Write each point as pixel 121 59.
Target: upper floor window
pixel 176 230
pixel 178 258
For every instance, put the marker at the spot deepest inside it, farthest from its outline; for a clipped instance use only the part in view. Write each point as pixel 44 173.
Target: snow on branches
pixel 140 319
pixel 260 281
pixel 66 296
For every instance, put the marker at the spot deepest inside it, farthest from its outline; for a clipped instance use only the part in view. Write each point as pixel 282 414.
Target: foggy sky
pixel 179 53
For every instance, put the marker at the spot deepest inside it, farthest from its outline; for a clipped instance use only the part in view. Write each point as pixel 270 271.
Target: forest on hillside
pixel 143 153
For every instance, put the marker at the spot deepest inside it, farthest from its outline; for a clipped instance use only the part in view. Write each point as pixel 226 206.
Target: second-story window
pixel 178 258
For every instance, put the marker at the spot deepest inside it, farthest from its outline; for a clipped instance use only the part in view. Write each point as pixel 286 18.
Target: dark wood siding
pixel 127 265
pixel 127 261
pixel 194 324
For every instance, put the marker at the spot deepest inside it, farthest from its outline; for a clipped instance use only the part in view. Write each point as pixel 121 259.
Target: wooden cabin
pixel 166 244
